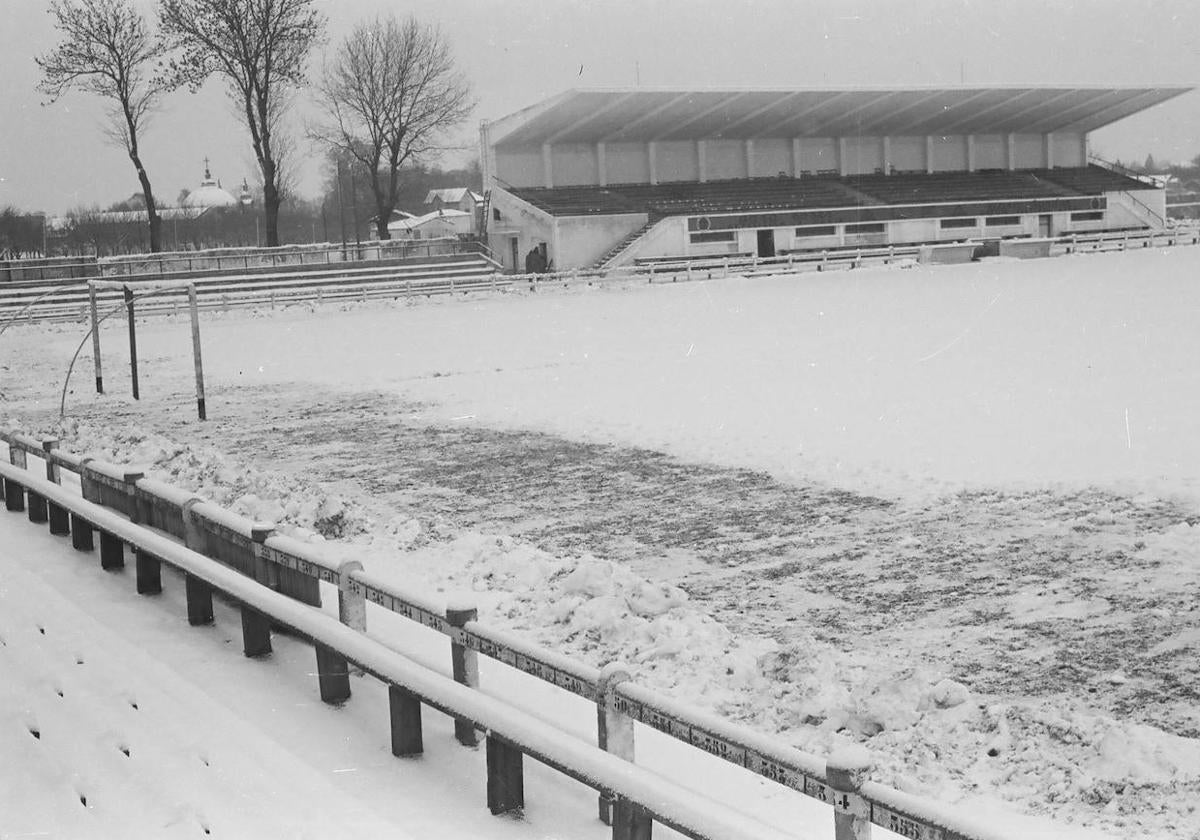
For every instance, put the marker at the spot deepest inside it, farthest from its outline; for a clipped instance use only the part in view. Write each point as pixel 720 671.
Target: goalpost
pixel 144 289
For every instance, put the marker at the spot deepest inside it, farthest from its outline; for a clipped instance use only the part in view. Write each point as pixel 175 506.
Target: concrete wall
pixel 676 160
pixel 520 167
pixel 1069 150
pixel 521 220
pixel 864 155
pixel 725 159
pixel 907 153
pixel 817 153
pixel 1029 151
pixel 582 240
pixel 991 151
pixel 574 164
pixel 679 160
pixel 627 163
pixel 770 157
pixel 949 153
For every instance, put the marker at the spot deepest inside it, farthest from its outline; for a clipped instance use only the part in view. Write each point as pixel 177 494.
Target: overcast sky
pixel 517 52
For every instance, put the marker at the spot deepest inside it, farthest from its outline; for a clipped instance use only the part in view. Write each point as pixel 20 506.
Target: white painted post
pixel 95 339
pixel 614 730
pixel 197 362
pixel 464 664
pixel 845 771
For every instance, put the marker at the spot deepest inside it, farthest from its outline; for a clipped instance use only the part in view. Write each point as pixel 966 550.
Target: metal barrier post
pixel 505 776
pixel 630 821
pixel 352 606
pixel 14 496
pixel 405 712
pixel 149 572
pixel 53 472
pixel 82 534
pixel 199 600
pixel 333 675
pixel 464 664
pixel 614 730
pixel 845 771
pixel 112 552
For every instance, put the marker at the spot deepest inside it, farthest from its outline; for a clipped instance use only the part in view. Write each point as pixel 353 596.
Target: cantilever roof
pixel 641 114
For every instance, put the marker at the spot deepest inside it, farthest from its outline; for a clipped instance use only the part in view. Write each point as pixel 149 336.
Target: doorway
pixel 766 243
pixel 514 254
pixel 1045 225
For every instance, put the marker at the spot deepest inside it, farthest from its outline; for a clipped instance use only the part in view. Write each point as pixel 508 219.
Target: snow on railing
pixel 641 796
pixel 254 550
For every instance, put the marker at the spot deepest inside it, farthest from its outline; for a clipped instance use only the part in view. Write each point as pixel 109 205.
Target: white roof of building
pixel 655 114
pixel 417 221
pixel 451 195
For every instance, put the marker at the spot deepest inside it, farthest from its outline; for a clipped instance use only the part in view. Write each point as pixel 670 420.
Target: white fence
pixel 276 580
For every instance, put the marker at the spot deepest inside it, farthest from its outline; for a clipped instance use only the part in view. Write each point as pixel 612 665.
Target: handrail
pixel 623 698
pixel 1121 169
pixel 507 727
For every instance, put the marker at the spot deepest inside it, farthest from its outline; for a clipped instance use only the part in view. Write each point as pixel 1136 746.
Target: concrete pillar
pixel 749 158
pixel 797 166
pixel 841 156
pixel 701 162
pixel 970 152
pixel 547 166
pixel 928 153
pixel 887 155
pixel 1048 141
pixel 1010 151
pixel 651 154
pixel 601 165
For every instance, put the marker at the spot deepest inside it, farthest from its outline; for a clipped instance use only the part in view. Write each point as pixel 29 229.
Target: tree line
pixel 386 96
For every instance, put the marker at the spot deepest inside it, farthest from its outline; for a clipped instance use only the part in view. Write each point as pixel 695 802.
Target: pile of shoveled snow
pixel 928 734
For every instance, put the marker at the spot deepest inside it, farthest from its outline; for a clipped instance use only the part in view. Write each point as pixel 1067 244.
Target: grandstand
pixel 614 176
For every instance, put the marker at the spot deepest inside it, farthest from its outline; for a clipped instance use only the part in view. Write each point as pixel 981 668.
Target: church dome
pixel 209 194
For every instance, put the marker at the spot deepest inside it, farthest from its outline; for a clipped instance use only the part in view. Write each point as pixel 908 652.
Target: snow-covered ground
pixel 948 512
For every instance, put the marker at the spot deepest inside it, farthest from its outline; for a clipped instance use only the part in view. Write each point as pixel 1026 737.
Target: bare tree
pixel 388 96
pixel 108 50
pixel 260 48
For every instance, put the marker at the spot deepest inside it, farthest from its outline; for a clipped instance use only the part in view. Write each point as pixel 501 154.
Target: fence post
pixel 464 664
pixel 505 776
pixel 630 821
pixel 352 605
pixel 845 771
pixel 405 711
pixel 614 730
pixel 333 675
pixel 82 536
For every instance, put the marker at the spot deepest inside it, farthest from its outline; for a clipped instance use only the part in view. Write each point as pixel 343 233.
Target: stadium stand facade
pixel 617 176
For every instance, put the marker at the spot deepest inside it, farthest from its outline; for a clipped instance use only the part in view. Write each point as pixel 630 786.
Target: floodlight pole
pixel 96 338
pixel 133 372
pixel 196 351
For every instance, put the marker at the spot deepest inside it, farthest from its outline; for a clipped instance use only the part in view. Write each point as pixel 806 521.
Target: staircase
pixel 624 244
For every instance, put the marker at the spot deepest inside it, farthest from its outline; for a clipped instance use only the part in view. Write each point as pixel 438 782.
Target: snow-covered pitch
pixel 945 512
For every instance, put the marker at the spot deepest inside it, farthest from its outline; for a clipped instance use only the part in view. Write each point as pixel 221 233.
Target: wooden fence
pixel 250 563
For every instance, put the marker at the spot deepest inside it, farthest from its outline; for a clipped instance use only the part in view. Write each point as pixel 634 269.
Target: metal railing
pixel 254 550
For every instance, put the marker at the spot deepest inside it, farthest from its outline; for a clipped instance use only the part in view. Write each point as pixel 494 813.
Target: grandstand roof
pixel 643 114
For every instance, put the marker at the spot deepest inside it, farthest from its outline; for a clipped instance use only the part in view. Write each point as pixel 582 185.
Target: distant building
pixel 433 225
pixel 209 194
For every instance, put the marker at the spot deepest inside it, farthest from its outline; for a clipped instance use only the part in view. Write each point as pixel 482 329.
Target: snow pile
pixel 301 508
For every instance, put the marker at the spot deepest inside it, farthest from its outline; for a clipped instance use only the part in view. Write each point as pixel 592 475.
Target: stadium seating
pixel 749 194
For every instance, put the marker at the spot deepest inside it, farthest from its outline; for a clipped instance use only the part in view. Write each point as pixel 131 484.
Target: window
pixel 949 224
pixel 865 227
pixel 1087 217
pixel 713 236
pixel 817 230
pixel 1002 221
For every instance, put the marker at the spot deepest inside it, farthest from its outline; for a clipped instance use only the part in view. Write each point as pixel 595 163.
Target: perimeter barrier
pixel 248 561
